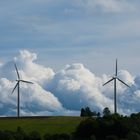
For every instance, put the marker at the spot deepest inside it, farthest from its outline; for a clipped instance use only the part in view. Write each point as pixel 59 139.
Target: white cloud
pixel 36 72
pixel 33 99
pixel 64 92
pixel 126 77
pixel 76 87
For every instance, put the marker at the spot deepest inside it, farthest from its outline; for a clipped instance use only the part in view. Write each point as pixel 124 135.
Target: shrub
pixel 86 128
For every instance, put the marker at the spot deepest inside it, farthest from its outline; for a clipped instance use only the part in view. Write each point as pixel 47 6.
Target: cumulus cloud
pixel 25 61
pixel 64 92
pixel 76 87
pixel 33 99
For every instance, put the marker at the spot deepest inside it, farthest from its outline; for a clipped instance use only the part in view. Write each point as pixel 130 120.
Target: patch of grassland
pixel 43 125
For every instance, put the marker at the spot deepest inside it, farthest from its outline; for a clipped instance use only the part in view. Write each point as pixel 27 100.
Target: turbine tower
pixel 115 78
pixel 18 90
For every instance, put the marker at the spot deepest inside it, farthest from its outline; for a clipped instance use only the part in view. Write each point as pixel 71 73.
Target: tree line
pixel 86 112
pixel 109 127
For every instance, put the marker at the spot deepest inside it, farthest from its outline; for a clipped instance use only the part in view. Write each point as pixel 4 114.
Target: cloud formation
pixel 64 92
pixel 75 86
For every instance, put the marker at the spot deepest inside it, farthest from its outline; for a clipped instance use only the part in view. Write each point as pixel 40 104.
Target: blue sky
pixel 92 32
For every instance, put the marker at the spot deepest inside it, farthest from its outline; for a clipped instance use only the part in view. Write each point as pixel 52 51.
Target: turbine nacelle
pixel 114 77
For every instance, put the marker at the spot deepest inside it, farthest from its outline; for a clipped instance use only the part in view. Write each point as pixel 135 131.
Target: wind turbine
pixel 115 78
pixel 18 90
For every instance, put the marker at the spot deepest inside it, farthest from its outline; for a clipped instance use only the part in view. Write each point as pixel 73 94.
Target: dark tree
pixel 98 114
pixel 83 113
pixel 88 111
pixel 106 111
pixel 86 129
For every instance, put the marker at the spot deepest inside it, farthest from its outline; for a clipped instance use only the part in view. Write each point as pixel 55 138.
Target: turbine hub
pixel 115 77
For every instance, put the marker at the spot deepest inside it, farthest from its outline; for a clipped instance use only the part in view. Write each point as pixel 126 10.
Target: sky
pixel 58 38
pixel 92 32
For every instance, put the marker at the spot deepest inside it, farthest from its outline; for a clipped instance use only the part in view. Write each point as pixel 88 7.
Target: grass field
pixel 43 125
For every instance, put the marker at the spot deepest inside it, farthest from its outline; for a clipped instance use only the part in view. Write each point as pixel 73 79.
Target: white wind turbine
pixel 19 80
pixel 115 78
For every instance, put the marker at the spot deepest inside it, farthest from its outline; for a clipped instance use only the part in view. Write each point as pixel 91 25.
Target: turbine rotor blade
pixel 26 82
pixel 17 71
pixel 15 87
pixel 116 68
pixel 123 82
pixel 108 81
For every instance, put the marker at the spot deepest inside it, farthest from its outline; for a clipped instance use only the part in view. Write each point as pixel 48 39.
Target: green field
pixel 43 125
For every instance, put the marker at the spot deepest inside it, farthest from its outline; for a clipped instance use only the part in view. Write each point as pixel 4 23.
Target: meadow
pixel 51 125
